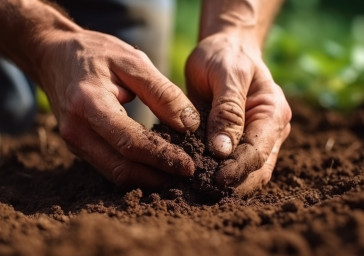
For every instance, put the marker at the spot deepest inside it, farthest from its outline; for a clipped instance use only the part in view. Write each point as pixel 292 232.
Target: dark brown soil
pixel 54 204
pixel 200 188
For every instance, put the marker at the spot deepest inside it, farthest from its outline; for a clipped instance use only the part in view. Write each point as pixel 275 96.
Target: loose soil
pixel 51 203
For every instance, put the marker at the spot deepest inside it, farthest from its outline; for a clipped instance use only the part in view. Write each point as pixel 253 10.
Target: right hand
pixel 87 76
pixel 228 71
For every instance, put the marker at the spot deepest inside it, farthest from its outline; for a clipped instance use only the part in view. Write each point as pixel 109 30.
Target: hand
pixel 87 77
pixel 246 106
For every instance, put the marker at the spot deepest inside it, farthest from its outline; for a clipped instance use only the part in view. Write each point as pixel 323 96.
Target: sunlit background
pixel 315 50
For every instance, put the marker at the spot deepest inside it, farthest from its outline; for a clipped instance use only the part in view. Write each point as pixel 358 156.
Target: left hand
pixel 246 104
pixel 87 76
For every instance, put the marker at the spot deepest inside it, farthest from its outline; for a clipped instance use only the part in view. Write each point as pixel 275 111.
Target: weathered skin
pixel 226 69
pixel 87 76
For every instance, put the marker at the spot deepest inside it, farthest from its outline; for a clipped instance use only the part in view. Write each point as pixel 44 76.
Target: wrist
pixel 234 39
pixel 249 18
pixel 231 17
pixel 54 31
pixel 26 27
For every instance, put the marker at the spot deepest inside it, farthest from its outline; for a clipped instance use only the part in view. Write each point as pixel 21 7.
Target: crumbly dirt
pixel 51 203
pixel 202 187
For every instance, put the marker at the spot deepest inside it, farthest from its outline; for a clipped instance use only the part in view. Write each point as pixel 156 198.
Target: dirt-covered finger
pixel 91 147
pixel 250 156
pixel 267 117
pixel 257 179
pixel 109 119
pixel 225 126
pixel 227 116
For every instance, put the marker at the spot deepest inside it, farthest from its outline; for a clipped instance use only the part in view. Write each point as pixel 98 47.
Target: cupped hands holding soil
pixel 204 183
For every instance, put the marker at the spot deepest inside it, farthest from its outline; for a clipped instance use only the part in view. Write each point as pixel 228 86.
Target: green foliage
pixel 315 50
pixel 318 54
pixel 185 37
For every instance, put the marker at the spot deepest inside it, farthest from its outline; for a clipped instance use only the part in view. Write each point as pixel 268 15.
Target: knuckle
pixel 261 159
pixel 68 133
pixel 243 71
pixel 133 63
pixel 287 114
pixel 266 176
pixel 255 158
pixel 165 93
pixel 120 174
pixel 229 112
pixel 125 144
pixel 286 131
pixel 141 56
pixel 76 100
pixel 285 109
pixel 137 60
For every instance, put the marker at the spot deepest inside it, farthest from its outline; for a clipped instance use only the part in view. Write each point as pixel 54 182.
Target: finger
pixel 253 154
pixel 165 99
pixel 92 148
pixel 109 119
pixel 119 89
pixel 264 126
pixel 227 116
pixel 257 179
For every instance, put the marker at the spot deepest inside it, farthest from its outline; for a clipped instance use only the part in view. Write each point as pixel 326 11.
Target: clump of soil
pixel 51 203
pixel 202 185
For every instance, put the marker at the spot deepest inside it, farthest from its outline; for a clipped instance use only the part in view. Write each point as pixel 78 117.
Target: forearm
pixel 24 26
pixel 250 19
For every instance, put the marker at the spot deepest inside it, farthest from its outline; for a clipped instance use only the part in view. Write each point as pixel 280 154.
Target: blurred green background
pixel 315 50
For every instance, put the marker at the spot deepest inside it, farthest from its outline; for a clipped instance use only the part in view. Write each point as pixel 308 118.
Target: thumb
pixel 226 120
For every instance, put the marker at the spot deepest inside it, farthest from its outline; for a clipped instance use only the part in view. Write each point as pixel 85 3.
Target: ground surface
pixel 54 204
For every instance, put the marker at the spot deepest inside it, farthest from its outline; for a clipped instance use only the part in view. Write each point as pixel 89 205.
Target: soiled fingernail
pixel 190 118
pixel 222 145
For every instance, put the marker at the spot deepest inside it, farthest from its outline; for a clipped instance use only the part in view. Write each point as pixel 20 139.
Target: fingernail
pixel 222 145
pixel 190 118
